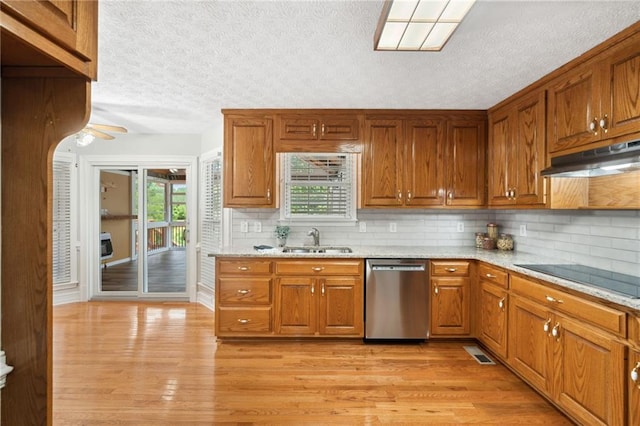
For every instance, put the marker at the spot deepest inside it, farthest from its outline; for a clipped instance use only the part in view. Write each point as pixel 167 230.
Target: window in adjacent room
pixel 319 187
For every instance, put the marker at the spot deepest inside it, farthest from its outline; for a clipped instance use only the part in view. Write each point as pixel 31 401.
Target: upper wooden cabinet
pixel 61 29
pixel 597 102
pixel 249 165
pixel 317 132
pixel 423 161
pixel 516 153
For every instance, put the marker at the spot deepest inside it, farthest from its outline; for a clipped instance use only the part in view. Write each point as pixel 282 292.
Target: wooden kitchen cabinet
pixel 319 297
pixel 633 387
pixel 596 102
pixel 516 153
pixel 61 29
pixel 564 357
pixel 450 298
pixel 249 164
pixel 244 303
pixel 337 131
pixel 493 309
pixel 428 161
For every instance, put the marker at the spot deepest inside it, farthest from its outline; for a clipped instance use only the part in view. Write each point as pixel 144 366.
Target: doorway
pixel 144 213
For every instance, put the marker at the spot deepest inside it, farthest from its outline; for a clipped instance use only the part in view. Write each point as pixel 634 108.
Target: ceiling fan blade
pixel 98 133
pixel 107 128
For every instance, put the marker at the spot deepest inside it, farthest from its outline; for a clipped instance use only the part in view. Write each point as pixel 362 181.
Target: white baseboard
pixel 205 295
pixel 67 295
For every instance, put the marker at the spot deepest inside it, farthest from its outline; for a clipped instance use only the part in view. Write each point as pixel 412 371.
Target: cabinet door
pixel 249 166
pixel 341 302
pixel 296 311
pixel 339 128
pixel 449 306
pixel 382 164
pixel 529 345
pixel 573 107
pixel 529 151
pixel 621 92
pixel 499 158
pixel 589 375
pixel 423 171
pixel 297 128
pixel 465 161
pixel 493 318
pixel 633 397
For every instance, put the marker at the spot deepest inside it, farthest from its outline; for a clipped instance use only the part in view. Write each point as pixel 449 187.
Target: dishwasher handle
pixel 400 268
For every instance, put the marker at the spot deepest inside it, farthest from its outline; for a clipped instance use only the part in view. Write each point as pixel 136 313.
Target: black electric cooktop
pixel 626 285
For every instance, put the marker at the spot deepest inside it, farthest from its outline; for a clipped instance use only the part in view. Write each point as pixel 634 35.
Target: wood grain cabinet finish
pixel 66 29
pixel 450 298
pixel 424 162
pixel 493 304
pixel 578 366
pixel 317 127
pixel 244 302
pixel 249 164
pixel 633 386
pixel 516 153
pixel 320 298
pixel 597 102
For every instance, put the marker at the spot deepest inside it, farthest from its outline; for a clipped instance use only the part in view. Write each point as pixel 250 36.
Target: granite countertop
pixel 504 259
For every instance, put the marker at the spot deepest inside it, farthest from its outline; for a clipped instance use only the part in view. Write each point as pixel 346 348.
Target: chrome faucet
pixel 316 236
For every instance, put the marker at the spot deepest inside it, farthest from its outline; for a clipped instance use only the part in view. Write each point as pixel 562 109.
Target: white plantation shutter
pixel 63 167
pixel 211 213
pixel 319 186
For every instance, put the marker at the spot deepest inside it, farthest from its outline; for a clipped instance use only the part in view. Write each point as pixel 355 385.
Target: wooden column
pixel 40 106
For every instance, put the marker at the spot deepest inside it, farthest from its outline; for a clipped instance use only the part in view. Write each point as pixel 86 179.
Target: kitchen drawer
pixel 244 266
pixel 319 267
pixel 450 268
pixel 493 274
pixel 602 316
pixel 244 290
pixel 244 320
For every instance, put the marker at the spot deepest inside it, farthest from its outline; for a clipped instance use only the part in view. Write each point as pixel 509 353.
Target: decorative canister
pixel 479 239
pixel 488 243
pixel 505 242
pixel 492 231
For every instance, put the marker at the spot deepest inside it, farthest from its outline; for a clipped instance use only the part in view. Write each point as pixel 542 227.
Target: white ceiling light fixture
pixel 84 139
pixel 419 25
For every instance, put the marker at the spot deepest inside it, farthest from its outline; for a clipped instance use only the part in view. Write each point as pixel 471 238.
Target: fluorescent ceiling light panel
pixel 419 24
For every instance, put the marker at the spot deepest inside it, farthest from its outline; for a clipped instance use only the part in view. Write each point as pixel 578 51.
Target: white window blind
pixel 319 186
pixel 62 257
pixel 211 214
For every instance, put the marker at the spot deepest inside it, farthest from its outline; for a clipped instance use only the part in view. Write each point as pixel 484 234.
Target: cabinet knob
pixel 244 320
pixel 635 374
pixel 546 326
pixel 555 331
pixel 322 288
pixel 450 195
pixel 244 291
pixel 314 130
pixel 269 195
pixel 399 196
pixel 322 129
pixel 451 269
pixel 313 289
pixel 604 125
pixel 435 290
pixel 593 126
pixel 243 268
pixel 409 196
pixel 501 303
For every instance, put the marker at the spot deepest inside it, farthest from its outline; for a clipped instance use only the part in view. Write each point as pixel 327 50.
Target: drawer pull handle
pixel 244 291
pixel 555 332
pixel 501 303
pixel 243 268
pixel 244 320
pixel 553 299
pixel 451 269
pixel 635 374
pixel 546 326
pixel 317 269
pixel 490 275
pixel 323 287
pixel 313 289
pixel 435 290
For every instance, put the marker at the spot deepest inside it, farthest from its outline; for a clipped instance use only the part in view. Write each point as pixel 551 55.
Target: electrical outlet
pixel 244 226
pixel 257 226
pixel 362 226
pixel 523 230
pixel 392 227
pixel 460 227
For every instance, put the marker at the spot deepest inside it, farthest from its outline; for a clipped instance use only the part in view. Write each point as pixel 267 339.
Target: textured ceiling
pixel 170 66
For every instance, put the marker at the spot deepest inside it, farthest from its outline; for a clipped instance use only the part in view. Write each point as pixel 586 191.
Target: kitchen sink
pixel 319 249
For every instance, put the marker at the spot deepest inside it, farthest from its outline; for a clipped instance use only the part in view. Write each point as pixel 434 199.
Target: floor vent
pixel 478 355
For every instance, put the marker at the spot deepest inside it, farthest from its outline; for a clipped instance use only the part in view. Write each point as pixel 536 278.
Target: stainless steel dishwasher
pixel 397 299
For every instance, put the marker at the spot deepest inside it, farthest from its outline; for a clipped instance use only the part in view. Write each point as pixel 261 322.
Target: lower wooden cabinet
pixel 633 387
pixel 492 317
pixel 450 288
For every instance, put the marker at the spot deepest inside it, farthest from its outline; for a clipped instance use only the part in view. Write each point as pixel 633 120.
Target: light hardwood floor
pixel 141 364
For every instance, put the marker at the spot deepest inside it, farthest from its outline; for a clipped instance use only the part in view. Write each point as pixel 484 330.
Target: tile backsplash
pixel 599 238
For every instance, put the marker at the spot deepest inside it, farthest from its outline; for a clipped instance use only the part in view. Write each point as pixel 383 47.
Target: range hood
pixel 608 160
